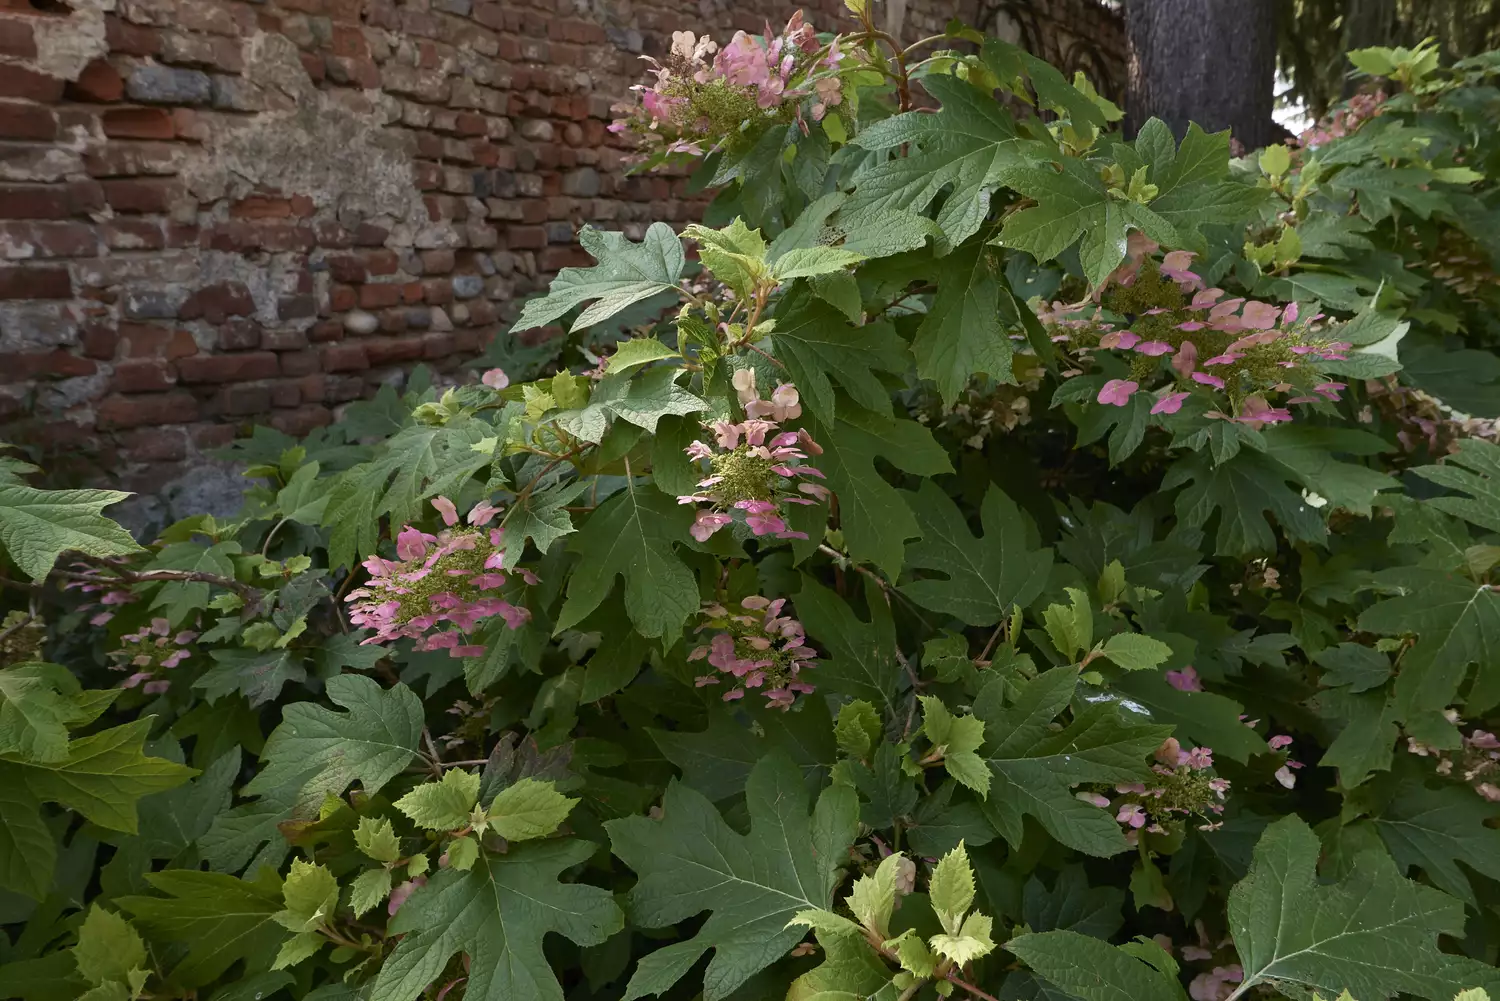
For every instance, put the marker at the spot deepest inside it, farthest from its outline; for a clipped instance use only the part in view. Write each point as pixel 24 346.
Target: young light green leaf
pixel 444 805
pixel 952 888
pixel 914 956
pixel 376 838
pixel 626 273
pixel 858 728
pixel 368 890
pixel 310 894
pixel 635 352
pixel 529 808
pixel 873 898
pixel 1136 652
pixel 108 947
pixel 297 949
pixel 1071 626
pixel 971 942
pixel 807 262
pixel 463 853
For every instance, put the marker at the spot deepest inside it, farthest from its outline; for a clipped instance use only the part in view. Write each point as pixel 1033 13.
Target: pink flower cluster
pixel 704 97
pixel 1211 343
pixel 1286 774
pixel 755 469
pixel 452 579
pixel 1475 762
pixel 758 647
pixel 1360 109
pixel 110 596
pixel 151 651
pixel 1181 789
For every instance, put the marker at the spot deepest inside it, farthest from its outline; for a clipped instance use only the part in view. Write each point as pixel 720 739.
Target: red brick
pixel 345 357
pixel 144 376
pixel 557 258
pixel 437 262
pixel 18 81
pixel 35 283
pixel 134 234
pixel 216 303
pixel 285 394
pixel 131 39
pixel 214 435
pixel 143 195
pixel 156 444
pixel 379 296
pixel 300 363
pixel 343 298
pixel 240 334
pixel 27 121
pixel 302 420
pixel 98 83
pixel 393 321
pixel 526 237
pixel 228 368
pixel 328 330
pixel 57 364
pixel 138 123
pixel 128 159
pixel 245 399
pixel 367 234
pixel 155 408
pixel 393 350
pixel 16 39
pixel 85 197
pixel 33 201
pixel 52 239
pixel 469 124
pixel 261 207
pixel 347 269
pixel 312 388
pixel 100 341
pixel 381 262
pixel 438 291
pixel 437 345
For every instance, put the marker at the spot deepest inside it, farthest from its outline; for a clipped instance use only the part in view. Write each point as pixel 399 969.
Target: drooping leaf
pixel 1033 766
pixel 1374 932
pixel 876 520
pixel 38 525
pixel 962 335
pixel 985 577
pixel 690 861
pixel 626 273
pixel 969 147
pixel 1437 828
pixel 497 914
pixel 321 751
pixel 632 535
pixel 1092 970
pixel 820 349
pixel 219 919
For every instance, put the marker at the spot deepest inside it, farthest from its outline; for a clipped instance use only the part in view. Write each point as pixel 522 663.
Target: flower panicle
pixel 440 587
pixel 754 467
pixel 701 96
pixel 150 652
pixel 1202 340
pixel 758 647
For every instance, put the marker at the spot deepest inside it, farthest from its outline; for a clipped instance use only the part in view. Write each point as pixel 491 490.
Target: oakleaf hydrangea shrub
pixel 1000 558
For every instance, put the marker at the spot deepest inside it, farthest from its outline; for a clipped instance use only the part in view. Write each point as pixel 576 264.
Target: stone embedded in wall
pixel 221 213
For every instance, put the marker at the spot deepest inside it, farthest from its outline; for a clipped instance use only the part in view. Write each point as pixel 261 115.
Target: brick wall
pixel 216 213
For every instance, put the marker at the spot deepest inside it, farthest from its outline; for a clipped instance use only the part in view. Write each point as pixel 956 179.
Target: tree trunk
pixel 1207 61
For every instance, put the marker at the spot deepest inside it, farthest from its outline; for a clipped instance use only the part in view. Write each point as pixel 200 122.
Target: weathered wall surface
pixel 215 213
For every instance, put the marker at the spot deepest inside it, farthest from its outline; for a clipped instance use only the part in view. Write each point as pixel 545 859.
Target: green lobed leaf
pixel 36 526
pixel 626 273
